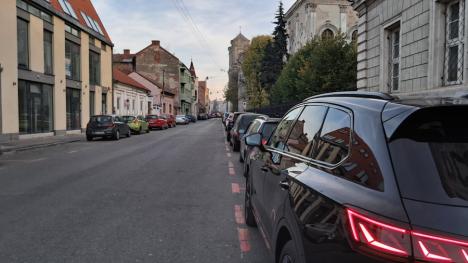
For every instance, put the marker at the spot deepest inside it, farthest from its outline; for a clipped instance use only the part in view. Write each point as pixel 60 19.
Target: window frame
pixel 309 160
pixel 392 60
pixel 94 77
pixel 28 45
pixel 51 72
pixel 459 42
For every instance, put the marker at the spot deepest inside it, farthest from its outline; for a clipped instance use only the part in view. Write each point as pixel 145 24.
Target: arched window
pixel 354 36
pixel 327 33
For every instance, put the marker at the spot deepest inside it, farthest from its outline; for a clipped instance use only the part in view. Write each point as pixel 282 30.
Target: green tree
pixel 252 68
pixel 323 65
pixel 276 52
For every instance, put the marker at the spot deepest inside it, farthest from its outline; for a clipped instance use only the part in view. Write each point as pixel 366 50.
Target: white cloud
pixel 134 25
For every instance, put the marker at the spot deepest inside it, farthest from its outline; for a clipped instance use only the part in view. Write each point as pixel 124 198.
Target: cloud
pixel 134 24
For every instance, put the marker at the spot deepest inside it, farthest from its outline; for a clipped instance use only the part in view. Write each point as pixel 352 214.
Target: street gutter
pixel 23 148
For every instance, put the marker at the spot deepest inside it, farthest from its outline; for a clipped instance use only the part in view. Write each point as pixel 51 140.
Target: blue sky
pixel 133 24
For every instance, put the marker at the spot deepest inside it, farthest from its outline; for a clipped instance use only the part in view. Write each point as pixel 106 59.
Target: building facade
pixel 160 67
pixel 130 97
pixel 307 19
pixel 56 67
pixel 202 102
pixel 195 95
pixel 239 45
pixel 413 47
pixel 186 89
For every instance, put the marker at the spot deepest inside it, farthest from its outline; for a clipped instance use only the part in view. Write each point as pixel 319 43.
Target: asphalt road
pixel 168 196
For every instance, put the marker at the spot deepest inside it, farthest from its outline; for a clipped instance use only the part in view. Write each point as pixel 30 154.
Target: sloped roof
pixel 121 77
pixel 86 7
pixel 240 37
pixel 192 69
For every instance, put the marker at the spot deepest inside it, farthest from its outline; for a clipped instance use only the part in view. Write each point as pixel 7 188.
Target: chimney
pixel 156 42
pixel 126 51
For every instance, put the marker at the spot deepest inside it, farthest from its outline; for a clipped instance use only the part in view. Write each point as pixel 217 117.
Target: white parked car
pixel 181 119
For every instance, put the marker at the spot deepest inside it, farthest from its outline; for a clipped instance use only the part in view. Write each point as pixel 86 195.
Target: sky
pixel 191 29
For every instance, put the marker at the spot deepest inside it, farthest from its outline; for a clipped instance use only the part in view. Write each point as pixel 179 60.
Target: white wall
pixel 127 95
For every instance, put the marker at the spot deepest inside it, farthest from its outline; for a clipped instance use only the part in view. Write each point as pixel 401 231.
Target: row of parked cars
pixel 115 127
pixel 358 177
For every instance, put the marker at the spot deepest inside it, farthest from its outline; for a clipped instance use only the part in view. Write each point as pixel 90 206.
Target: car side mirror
pixel 254 140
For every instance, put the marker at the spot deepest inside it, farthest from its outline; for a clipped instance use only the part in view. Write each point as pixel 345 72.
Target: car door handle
pixel 284 185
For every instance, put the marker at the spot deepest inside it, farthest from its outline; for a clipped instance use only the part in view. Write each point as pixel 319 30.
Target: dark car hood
pixel 444 218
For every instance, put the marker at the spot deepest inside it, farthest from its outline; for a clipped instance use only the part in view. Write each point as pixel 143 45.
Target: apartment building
pixel 413 47
pixel 56 67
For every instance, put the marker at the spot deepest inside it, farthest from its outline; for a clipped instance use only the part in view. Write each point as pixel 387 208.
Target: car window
pixel 280 135
pixel 101 119
pixel 117 119
pixel 334 141
pixel 245 121
pixel 253 127
pixel 303 137
pixel 267 129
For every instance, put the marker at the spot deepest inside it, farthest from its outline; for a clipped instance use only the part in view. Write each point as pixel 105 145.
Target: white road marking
pixel 71 152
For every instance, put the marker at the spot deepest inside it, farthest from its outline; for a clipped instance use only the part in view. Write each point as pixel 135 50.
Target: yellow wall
pixel 9 63
pixel 36 44
pixel 60 80
pixel 84 79
pixel 106 75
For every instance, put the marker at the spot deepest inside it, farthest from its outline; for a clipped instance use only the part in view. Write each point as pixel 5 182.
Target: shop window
pixel 35 107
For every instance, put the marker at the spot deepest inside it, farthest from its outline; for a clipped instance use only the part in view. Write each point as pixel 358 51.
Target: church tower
pixel 239 46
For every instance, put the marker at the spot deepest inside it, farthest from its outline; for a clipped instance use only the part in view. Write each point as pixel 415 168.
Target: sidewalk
pixel 36 143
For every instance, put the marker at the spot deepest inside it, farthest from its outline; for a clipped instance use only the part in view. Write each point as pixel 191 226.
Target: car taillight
pixel 264 141
pixel 376 237
pixel 380 238
pixel 432 248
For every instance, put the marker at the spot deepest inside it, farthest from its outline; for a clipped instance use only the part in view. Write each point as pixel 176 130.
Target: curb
pixel 13 149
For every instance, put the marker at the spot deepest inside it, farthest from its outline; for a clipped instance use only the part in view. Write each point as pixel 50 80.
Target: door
pixel 291 161
pixel 267 164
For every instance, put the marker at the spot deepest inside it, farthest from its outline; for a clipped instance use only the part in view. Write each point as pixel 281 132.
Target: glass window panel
pixel 48 52
pixel 455 11
pixel 73 109
pixel 303 137
pixel 72 61
pixel 92 102
pixel 453 28
pixel 334 141
pixel 70 9
pixel 21 4
pixel 23 106
pixel 23 44
pixel 104 103
pixel 35 107
pixel 278 140
pixel 94 68
pixel 453 64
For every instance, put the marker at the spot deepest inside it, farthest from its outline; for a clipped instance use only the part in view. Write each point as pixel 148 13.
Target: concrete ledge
pixel 37 143
pixel 8 137
pixel 74 132
pixel 35 136
pixel 60 132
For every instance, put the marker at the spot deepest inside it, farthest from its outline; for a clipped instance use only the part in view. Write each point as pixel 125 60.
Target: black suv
pixel 363 177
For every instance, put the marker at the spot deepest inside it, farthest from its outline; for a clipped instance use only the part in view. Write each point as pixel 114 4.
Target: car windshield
pixel 128 118
pixel 181 116
pixel 101 119
pixel 430 155
pixel 152 117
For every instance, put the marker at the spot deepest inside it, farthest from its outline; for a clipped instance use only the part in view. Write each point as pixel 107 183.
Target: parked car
pixel 182 119
pixel 231 119
pixel 223 119
pixel 106 126
pixel 157 122
pixel 264 128
pixel 240 127
pixel 191 118
pixel 171 120
pixel 363 177
pixel 203 116
pixel 137 124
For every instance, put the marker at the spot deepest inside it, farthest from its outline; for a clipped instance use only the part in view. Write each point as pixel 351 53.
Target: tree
pixel 323 65
pixel 252 68
pixel 276 52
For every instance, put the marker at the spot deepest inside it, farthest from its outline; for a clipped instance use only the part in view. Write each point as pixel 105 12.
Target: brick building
pixel 410 47
pixel 160 67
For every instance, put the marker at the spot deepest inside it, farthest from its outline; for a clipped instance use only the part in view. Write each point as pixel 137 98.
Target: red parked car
pixel 156 122
pixel 171 120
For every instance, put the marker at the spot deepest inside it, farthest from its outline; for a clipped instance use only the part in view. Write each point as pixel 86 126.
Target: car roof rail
pixel 355 94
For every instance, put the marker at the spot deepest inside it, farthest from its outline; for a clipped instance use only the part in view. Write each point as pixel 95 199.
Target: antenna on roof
pixel 240 29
